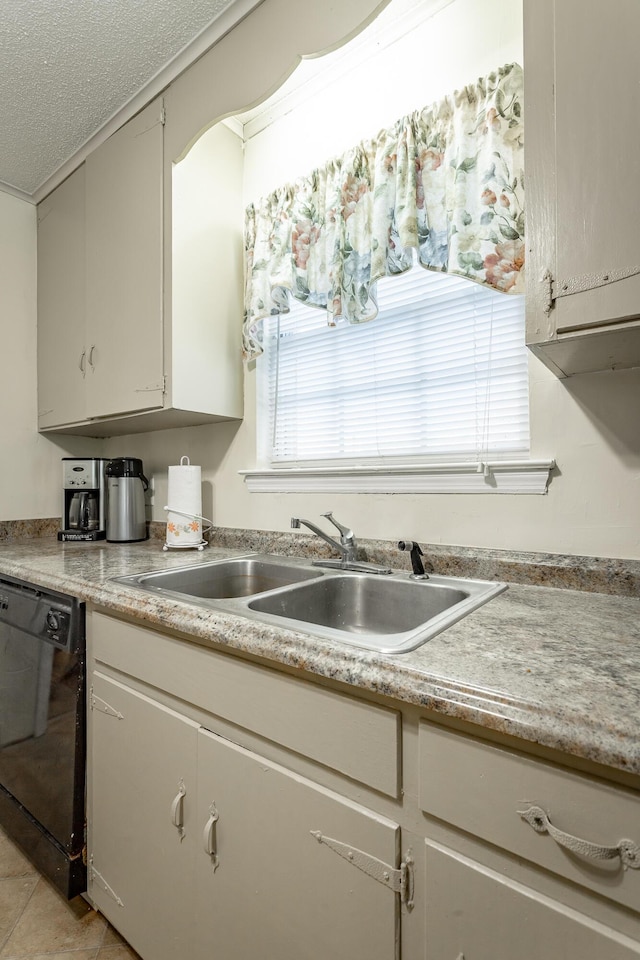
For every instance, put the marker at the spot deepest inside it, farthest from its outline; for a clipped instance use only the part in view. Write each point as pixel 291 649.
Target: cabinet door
pixel 124 268
pixel 582 75
pixel 141 756
pixel 268 888
pixel 61 304
pixel 598 157
pixel 477 914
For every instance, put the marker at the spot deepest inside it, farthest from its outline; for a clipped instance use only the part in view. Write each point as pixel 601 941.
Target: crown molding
pixel 14 192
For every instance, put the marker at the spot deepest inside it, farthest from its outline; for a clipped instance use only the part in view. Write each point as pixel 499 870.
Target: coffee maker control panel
pixel 83 473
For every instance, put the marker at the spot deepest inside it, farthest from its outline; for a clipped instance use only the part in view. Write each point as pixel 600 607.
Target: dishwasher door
pixel 42 730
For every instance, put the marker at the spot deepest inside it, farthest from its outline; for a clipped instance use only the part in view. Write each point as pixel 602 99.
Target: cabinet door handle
pixel 82 364
pixel 627 850
pixel 90 358
pixel 177 808
pixel 209 836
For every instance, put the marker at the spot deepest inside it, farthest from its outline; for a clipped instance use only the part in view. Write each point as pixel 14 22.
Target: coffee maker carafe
pixel 83 499
pixel 83 511
pixel 126 484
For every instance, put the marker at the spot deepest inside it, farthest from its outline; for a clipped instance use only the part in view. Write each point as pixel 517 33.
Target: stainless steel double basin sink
pixel 388 614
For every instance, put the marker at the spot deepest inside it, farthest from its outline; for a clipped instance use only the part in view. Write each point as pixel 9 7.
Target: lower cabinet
pixel 581 833
pixel 140 868
pixel 269 882
pixel 476 914
pixel 201 848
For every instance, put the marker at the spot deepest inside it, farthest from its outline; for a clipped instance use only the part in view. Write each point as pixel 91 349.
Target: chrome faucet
pixel 347 547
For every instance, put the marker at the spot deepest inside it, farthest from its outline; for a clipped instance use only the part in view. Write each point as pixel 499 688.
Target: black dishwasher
pixel 42 729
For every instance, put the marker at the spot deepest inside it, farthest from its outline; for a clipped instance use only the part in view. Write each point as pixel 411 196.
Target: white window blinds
pixel 440 375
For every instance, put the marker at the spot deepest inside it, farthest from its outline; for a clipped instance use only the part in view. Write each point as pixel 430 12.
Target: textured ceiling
pixel 66 66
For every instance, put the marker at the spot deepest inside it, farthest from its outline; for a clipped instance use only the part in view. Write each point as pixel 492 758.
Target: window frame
pixel 456 474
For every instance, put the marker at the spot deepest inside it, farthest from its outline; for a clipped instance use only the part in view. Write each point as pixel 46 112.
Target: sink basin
pixel 224 579
pixel 361 604
pixel 391 614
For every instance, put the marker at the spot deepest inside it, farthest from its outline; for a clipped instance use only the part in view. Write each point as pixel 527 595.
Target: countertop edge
pixel 531 723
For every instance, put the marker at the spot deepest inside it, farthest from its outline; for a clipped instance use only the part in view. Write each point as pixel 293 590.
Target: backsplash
pixel 619 577
pixel 13 530
pixel 591 574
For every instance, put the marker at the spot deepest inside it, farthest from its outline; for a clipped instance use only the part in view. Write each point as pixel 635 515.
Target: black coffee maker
pixel 83 499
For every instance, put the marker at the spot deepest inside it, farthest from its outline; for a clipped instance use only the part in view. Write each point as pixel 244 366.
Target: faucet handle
pixel 346 535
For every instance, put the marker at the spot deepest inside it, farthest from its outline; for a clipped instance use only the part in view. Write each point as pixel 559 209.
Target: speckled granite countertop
pixel 551 666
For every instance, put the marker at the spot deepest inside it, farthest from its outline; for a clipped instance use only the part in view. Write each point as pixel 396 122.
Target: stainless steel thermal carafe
pixel 126 484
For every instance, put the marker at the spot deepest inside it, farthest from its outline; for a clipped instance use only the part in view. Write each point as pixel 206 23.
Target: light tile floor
pixel 36 923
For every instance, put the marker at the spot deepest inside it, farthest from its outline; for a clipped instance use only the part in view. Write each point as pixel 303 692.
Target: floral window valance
pixel 446 181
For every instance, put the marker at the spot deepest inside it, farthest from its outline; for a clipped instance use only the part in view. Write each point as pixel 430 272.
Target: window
pixel 439 375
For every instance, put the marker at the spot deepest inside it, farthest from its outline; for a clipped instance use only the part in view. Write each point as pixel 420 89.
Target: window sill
pixel 512 477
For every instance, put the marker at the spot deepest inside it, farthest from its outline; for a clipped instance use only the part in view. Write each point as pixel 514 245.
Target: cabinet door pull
pixel 209 836
pixel 177 808
pixel 82 364
pixel 90 358
pixel 627 850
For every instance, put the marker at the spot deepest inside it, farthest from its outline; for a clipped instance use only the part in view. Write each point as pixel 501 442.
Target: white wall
pixel 589 424
pixel 30 472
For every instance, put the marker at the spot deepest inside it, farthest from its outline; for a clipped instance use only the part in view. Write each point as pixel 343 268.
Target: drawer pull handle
pixel 627 850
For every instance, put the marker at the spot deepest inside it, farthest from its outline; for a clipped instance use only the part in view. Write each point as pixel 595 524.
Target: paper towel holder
pixel 188 511
pixel 188 546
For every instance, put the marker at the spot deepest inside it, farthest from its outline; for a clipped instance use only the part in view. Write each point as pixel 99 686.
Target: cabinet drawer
pixel 353 737
pixel 481 789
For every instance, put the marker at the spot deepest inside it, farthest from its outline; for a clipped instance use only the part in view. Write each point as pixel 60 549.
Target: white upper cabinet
pixel 140 286
pixel 124 222
pixel 582 75
pixel 62 356
pixel 100 274
pixel 204 293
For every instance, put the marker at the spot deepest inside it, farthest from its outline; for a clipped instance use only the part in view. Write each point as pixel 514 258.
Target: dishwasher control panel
pixel 42 614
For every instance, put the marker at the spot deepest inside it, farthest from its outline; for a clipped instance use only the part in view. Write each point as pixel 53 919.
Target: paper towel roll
pixel 184 496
